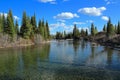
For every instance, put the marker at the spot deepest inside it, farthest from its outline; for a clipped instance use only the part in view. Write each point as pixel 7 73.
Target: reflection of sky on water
pixel 83 53
pixel 67 60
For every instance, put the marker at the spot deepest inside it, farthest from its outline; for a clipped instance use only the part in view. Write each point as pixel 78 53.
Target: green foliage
pixel 118 28
pixel 83 32
pixel 96 31
pixel 33 23
pixel 59 35
pixel 47 30
pixel 16 28
pixel 86 32
pixel 110 28
pixel 104 28
pixel 26 27
pixel 92 30
pixel 1 26
pixel 76 33
pixel 10 25
pixel 43 29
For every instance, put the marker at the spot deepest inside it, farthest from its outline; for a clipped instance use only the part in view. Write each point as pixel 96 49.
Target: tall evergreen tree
pixel 110 28
pixel 118 28
pixel 24 23
pixel 115 28
pixel 47 30
pixel 34 24
pixel 86 32
pixel 76 33
pixel 26 27
pixel 92 30
pixel 82 32
pixel 16 27
pixel 42 31
pixel 4 24
pixel 1 26
pixel 41 28
pixel 104 28
pixel 10 24
pixel 96 31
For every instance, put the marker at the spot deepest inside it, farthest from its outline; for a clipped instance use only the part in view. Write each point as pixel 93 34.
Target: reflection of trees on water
pixel 76 45
pixel 109 56
pixel 83 45
pixel 95 54
pixel 17 64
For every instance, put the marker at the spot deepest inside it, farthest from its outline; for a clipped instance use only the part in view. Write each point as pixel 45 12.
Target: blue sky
pixel 62 14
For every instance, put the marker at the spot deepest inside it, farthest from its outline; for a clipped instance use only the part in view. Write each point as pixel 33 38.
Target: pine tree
pixel 47 30
pixel 4 24
pixel 41 28
pixel 64 34
pixel 96 31
pixel 33 23
pixel 10 24
pixel 42 31
pixel 76 33
pixel 26 27
pixel 104 28
pixel 86 32
pixel 1 26
pixel 92 30
pixel 82 32
pixel 24 23
pixel 118 28
pixel 16 27
pixel 110 28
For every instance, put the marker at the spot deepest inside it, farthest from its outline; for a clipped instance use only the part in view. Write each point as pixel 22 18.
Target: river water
pixel 60 60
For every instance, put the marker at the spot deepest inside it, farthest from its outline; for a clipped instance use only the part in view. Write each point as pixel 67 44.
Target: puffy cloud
pixel 15 17
pixel 48 1
pixel 110 2
pixel 66 15
pixel 105 18
pixel 89 21
pixel 79 23
pixel 5 14
pixel 92 11
pixel 60 26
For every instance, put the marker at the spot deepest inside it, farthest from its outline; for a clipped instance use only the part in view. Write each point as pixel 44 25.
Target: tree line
pixel 28 29
pixel 108 28
pixel 75 34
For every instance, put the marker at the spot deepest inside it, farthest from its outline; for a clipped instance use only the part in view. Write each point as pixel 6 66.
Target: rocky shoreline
pixel 102 39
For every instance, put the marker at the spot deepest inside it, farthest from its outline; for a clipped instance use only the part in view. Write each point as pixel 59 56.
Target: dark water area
pixel 60 60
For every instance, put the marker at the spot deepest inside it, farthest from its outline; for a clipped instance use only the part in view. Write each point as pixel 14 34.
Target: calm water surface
pixel 60 60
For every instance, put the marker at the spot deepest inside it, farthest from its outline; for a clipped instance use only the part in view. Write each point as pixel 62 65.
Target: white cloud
pixel 61 20
pixel 105 18
pixel 92 11
pixel 66 15
pixel 60 26
pixel 48 1
pixel 5 14
pixel 80 23
pixel 110 2
pixel 89 21
pixel 16 17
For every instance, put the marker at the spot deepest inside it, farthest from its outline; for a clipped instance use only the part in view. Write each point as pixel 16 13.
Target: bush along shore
pixel 109 36
pixel 29 33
